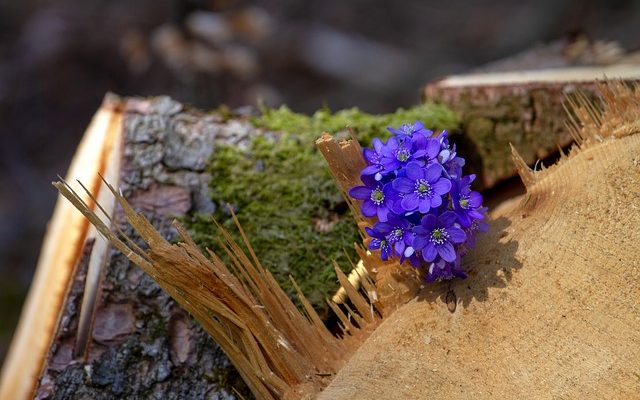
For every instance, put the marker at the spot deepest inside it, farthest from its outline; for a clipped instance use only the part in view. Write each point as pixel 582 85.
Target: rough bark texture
pixel 530 116
pixel 166 152
pixel 144 345
pixel 526 113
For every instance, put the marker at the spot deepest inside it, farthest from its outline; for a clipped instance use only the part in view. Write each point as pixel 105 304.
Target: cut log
pixel 131 339
pixel 535 317
pixel 94 313
pixel 550 309
pixel 127 338
pixel 524 108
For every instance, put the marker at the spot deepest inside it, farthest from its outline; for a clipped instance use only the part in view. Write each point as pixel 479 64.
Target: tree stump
pixel 524 108
pixel 550 307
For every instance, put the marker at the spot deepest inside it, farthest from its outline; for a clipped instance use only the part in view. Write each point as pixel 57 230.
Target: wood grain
pixel 550 309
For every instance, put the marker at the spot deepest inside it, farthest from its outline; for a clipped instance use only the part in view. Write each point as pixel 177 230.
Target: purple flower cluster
pixel 425 208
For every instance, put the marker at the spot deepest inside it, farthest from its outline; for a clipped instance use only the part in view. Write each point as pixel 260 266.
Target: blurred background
pixel 59 57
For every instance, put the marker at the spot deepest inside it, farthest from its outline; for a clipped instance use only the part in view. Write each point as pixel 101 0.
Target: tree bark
pixel 521 108
pixel 143 345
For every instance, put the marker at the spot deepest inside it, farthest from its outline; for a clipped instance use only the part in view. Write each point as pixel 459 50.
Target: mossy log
pixel 142 344
pixel 130 340
pixel 164 159
pixel 524 108
pixel 549 307
pixel 108 330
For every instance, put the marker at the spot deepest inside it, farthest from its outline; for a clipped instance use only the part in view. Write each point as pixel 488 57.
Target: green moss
pixel 364 126
pixel 286 201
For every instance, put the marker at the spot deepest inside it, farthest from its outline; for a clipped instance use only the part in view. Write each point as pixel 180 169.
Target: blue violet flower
pixel 425 210
pixel 375 196
pixel 435 236
pixel 422 187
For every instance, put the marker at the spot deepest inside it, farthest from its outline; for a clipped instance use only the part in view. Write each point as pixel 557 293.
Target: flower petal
pixel 475 200
pixel 369 181
pixel 360 193
pixel 456 235
pixel 419 242
pixel 391 147
pixel 429 222
pixel 408 252
pixel 383 227
pixel 390 164
pixel 370 170
pixel 436 201
pixel 425 205
pixel 463 218
pixel 443 156
pixel 382 213
pixel 395 131
pixel 419 153
pixel 446 251
pixel 442 186
pixel 429 253
pixel 418 141
pixel 421 230
pixel 407 237
pixel 433 148
pixel 446 219
pixel 433 172
pixel 396 206
pixel 475 214
pixel 370 155
pixel 403 185
pixel 377 144
pixel 369 208
pixel 414 171
pixel 410 202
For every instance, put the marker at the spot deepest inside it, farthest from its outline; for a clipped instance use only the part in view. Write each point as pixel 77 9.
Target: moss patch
pixel 364 126
pixel 285 198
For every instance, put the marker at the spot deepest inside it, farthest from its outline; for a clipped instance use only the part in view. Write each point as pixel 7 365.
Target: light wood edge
pixel 552 75
pixel 62 247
